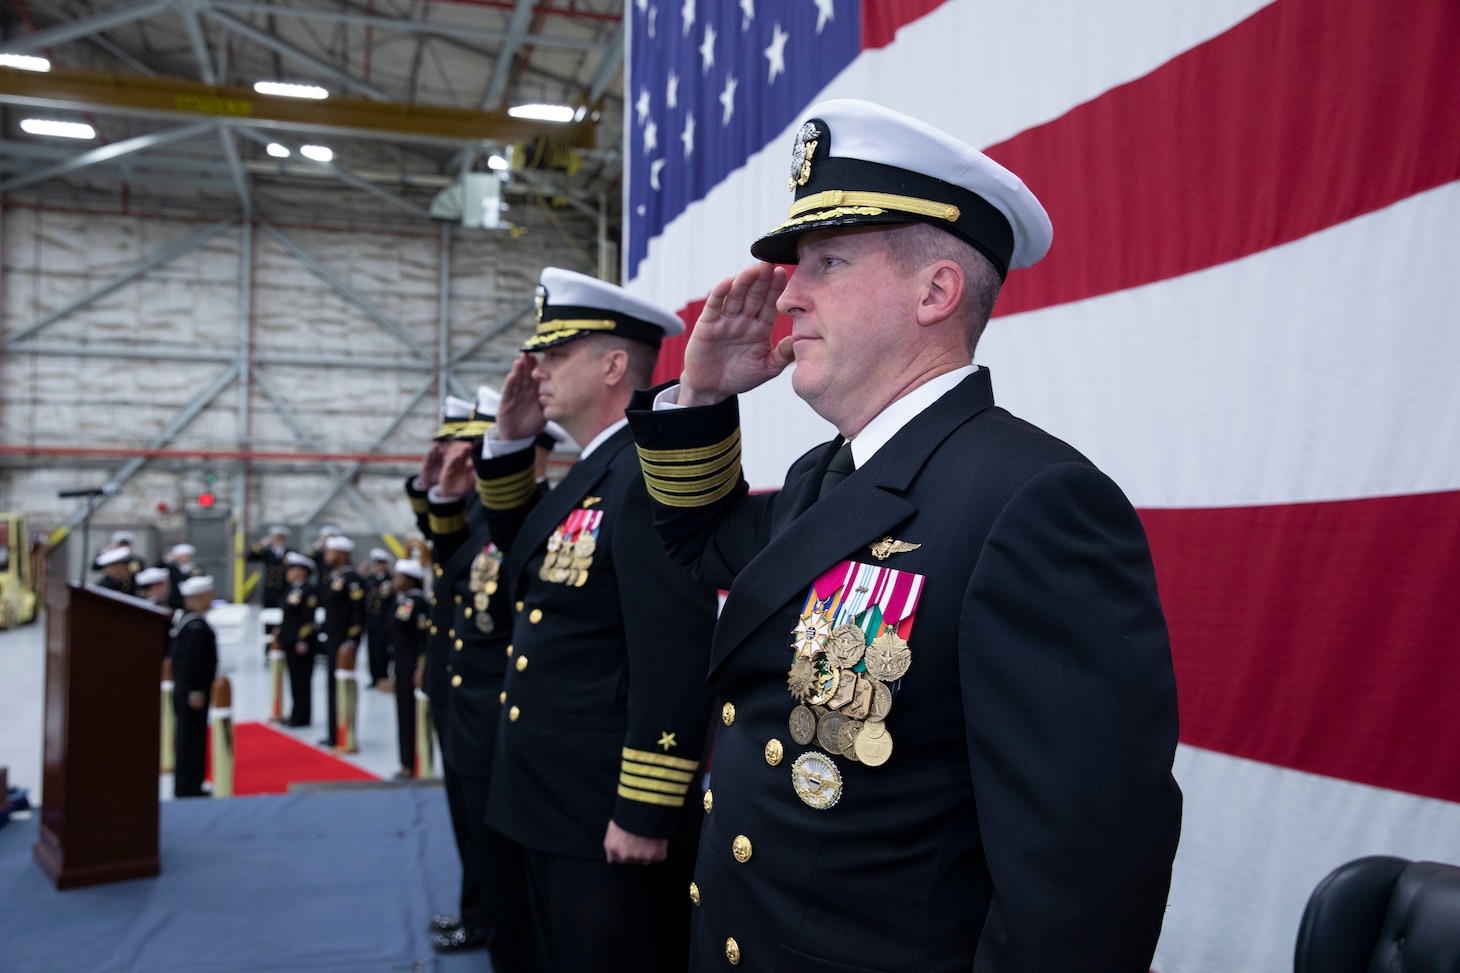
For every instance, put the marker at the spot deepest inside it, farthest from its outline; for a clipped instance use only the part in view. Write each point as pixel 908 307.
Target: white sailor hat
pixel 113 556
pixel 187 549
pixel 148 577
pixel 296 560
pixel 195 586
pixel 571 305
pixel 122 537
pixel 278 529
pixel 380 554
pixel 411 568
pixel 339 542
pixel 454 415
pixel 859 164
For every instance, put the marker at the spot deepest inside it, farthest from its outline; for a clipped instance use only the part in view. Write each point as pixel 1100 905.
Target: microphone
pixel 105 490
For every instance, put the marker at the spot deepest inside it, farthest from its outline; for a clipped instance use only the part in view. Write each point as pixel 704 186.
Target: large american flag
pixel 1250 318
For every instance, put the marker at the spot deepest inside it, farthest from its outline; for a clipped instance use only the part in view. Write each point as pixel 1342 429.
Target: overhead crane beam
pixel 181 98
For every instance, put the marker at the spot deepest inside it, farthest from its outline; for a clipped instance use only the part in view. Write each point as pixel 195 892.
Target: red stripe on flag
pixel 1307 114
pixel 1323 637
pixel 882 19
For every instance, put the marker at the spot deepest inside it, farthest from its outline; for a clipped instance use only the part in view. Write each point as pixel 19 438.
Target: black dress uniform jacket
pixel 343 598
pixel 125 586
pixel 406 630
pixel 1027 818
pixel 607 709
pixel 274 582
pixel 297 605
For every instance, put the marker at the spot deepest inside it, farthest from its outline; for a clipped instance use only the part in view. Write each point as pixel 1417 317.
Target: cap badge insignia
pixel 801 152
pixel 887 547
pixel 540 300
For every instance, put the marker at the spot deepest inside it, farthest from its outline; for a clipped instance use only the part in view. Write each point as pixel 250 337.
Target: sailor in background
pixel 121 538
pixel 194 664
pixel 342 595
pixel 375 575
pixel 270 551
pixel 154 584
pixel 116 570
pixel 406 629
pixel 179 561
pixel 295 636
pixel 607 715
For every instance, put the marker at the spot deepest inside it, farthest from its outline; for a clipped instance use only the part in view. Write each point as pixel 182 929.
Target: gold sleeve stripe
pixel 508 492
pixel 841 198
pixel 690 455
pixel 419 505
pixel 305 631
pixel 662 773
pixel 648 797
pixel 660 759
pixel 649 784
pixel 447 525
pixel 714 464
pixel 701 500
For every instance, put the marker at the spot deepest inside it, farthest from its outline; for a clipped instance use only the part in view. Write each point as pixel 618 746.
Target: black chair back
pixel 1382 915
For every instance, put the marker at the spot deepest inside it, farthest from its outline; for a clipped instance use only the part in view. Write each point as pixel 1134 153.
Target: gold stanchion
pixel 276 679
pixel 346 693
pixel 425 739
pixel 222 720
pixel 169 720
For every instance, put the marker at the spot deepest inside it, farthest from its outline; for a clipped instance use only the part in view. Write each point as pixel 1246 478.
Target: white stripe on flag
pixel 1256 839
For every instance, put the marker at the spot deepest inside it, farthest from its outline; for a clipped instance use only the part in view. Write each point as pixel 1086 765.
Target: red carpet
pixel 267 761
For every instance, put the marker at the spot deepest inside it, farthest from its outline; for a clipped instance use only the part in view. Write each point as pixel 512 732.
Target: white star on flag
pixel 707 49
pixel 688 13
pixel 641 107
pixel 688 135
pixel 747 7
pixel 651 136
pixel 672 93
pixel 727 98
pixel 654 168
pixel 776 53
pixel 823 13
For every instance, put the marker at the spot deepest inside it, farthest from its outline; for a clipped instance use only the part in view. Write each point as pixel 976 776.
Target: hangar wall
pixel 283 356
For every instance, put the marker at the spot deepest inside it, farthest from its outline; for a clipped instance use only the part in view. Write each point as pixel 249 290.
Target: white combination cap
pixel 151 576
pixel 122 537
pixel 339 542
pixel 411 568
pixel 195 586
pixel 113 556
pixel 379 554
pixel 187 549
pixel 278 529
pixel 297 560
pixel 571 305
pixel 855 163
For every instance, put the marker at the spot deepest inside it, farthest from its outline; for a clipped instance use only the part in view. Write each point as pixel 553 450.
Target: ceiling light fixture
pixel 498 163
pixel 319 153
pixel 285 90
pixel 543 113
pixel 277 151
pixel 63 130
pixel 25 62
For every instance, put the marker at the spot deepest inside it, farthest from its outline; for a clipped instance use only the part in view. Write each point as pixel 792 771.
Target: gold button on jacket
pixel 727 713
pixel 741 849
pixel 694 893
pixel 513 713
pixel 456 680
pixel 709 800
pixel 732 951
pixel 521 663
pixel 774 751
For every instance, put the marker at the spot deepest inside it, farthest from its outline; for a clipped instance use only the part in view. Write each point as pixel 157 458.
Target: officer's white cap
pixel 195 586
pixel 278 529
pixel 870 165
pixel 571 305
pixel 295 559
pixel 411 568
pixel 379 554
pixel 187 549
pixel 339 543
pixel 113 556
pixel 151 576
pixel 122 537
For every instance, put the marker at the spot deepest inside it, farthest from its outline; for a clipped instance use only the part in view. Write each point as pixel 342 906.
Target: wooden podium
pixel 99 802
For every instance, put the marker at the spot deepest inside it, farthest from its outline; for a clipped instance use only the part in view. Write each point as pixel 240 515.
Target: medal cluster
pixel 846 661
pixel 570 549
pixel 483 584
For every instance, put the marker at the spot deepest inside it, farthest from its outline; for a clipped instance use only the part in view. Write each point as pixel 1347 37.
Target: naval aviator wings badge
pixel 849 652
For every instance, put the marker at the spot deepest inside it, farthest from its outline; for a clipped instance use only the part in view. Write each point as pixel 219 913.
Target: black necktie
pixel 842 465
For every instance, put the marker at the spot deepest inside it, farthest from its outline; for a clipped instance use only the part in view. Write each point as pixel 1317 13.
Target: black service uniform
pixel 378 602
pixel 126 586
pixel 1026 818
pixel 343 598
pixel 406 629
pixel 607 709
pixel 194 664
pixel 274 582
pixel 296 635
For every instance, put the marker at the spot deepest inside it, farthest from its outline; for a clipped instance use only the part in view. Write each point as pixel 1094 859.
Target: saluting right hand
pixel 519 413
pixel 730 350
pixel 458 475
pixel 431 465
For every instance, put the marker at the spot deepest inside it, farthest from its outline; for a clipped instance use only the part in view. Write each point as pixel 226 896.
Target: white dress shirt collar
pixel 890 420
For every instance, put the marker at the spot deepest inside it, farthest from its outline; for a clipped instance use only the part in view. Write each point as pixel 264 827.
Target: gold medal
pixel 816 780
pixel 809 636
pixel 846 645
pixel 846 686
pixel 581 578
pixel 873 748
pixel 827 681
pixel 585 545
pixel 881 701
pixel 861 701
pixel 485 623
pixel 803 725
pixel 479 601
pixel 827 729
pixel 888 657
pixel 802 680
pixel 846 738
